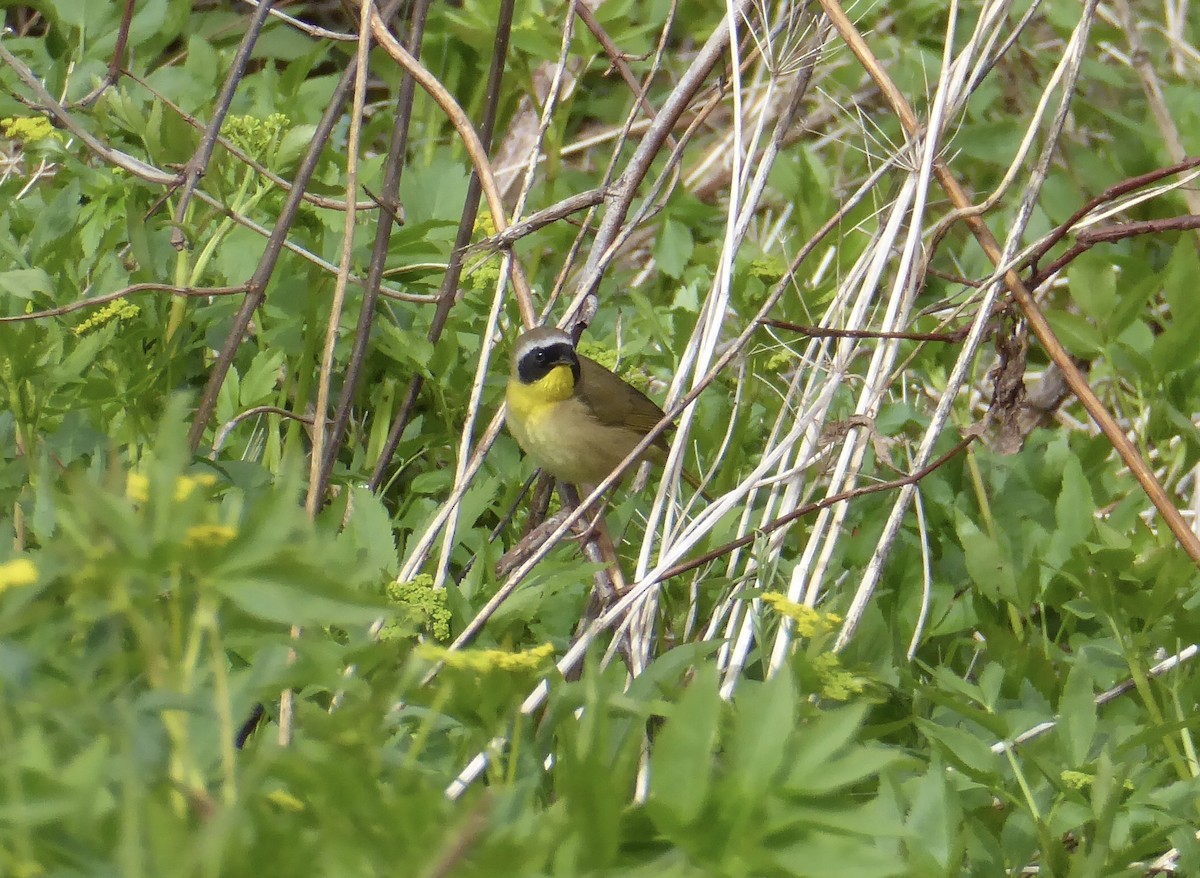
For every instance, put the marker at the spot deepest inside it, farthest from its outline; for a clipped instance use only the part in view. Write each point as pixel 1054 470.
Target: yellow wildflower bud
pixel 17 572
pixel 809 622
pixel 208 536
pixel 481 661
pixel 285 800
pixel 137 488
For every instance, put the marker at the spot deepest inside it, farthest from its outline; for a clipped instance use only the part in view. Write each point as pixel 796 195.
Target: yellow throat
pixel 524 400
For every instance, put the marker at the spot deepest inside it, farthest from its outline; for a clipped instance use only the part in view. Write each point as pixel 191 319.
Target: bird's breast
pixel 566 439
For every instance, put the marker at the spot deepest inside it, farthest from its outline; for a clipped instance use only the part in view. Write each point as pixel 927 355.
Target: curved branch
pixel 266 264
pixel 184 292
pixel 198 163
pixel 47 104
pixel 471 142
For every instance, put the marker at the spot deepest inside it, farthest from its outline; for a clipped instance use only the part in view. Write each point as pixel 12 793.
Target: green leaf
pixel 1074 510
pixel 1077 714
pixel 369 529
pixel 962 748
pixel 680 763
pixel 687 297
pixel 25 282
pixel 147 23
pixel 435 190
pixel 764 719
pixel 989 566
pixel 846 769
pixel 56 221
pixel 934 848
pixel 294 144
pixel 1093 286
pixel 294 600
pixel 1077 334
pixel 238 254
pixel 92 17
pixel 673 248
pixel 820 855
pixel 664 673
pixel 819 739
pixel 1175 349
pixel 258 384
pixel 82 356
pixel 1138 284
pixel 410 349
pixel 227 396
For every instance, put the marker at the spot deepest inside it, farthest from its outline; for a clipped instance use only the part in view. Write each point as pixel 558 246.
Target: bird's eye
pixel 541 356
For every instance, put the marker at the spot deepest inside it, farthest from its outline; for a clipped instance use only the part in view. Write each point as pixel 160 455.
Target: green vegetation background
pixel 146 597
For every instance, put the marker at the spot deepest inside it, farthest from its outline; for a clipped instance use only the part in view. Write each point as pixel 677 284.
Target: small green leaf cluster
pixel 422 604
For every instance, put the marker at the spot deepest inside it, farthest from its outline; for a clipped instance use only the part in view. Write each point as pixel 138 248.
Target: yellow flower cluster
pixel 185 485
pixel 208 536
pixel 137 486
pixel 423 602
pixel 480 661
pixel 780 361
pixel 118 309
pixel 30 129
pixel 1076 780
pixel 837 684
pixel 200 536
pixel 485 226
pixel 809 622
pixel 17 572
pixel 1081 780
pixel 483 276
pixel 254 135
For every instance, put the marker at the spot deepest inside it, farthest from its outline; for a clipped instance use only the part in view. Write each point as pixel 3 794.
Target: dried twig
pixel 635 171
pixel 1170 663
pixel 827 332
pixel 1089 238
pixel 1037 321
pixel 266 264
pixel 320 33
pixel 132 290
pixel 481 181
pixel 114 64
pixel 198 163
pixel 1111 194
pixel 389 199
pixel 471 140
pixel 47 104
pixel 318 473
pixel 809 508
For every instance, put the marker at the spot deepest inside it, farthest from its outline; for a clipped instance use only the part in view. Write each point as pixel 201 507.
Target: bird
pixel 576 419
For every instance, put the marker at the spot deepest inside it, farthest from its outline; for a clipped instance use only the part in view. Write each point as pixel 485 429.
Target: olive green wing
pixel 614 402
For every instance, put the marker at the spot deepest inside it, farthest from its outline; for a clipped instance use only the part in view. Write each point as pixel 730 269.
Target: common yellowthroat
pixel 575 418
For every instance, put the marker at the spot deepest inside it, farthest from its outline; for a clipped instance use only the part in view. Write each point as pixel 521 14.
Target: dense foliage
pixel 151 594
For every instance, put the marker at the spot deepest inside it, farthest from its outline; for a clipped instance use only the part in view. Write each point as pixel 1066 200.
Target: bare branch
pixel 198 163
